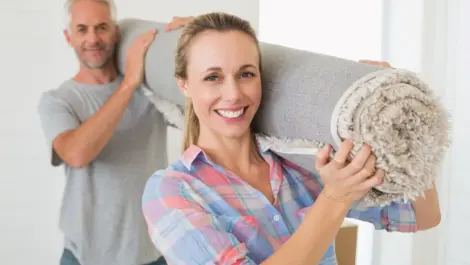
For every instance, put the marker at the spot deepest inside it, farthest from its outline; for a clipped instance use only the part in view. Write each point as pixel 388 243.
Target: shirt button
pixel 277 218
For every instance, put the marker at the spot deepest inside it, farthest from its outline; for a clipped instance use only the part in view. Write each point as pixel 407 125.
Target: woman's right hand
pixel 344 180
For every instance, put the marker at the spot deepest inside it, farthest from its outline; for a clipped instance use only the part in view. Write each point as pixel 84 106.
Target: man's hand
pixel 177 23
pixel 134 72
pixel 377 63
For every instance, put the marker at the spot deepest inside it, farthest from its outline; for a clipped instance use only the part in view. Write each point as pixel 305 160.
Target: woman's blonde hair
pixel 221 22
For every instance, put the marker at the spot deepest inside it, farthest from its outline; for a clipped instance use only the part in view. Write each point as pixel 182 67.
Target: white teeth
pixel 231 114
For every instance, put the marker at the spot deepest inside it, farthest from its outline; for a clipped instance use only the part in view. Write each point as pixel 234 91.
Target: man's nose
pixel 92 37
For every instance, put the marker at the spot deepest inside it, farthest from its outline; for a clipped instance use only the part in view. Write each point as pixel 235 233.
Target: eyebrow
pixel 216 68
pixel 94 26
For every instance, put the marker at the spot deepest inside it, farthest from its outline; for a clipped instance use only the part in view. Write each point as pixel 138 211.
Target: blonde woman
pixel 227 201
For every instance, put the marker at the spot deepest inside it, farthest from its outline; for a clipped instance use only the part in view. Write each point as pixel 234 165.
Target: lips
pixel 231 114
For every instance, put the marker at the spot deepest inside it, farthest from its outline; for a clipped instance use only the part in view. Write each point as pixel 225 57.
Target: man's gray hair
pixel 69 4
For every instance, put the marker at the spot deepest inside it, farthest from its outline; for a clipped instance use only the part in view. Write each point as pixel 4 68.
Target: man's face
pixel 92 33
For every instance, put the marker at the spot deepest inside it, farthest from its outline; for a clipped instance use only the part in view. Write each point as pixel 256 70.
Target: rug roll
pixel 311 99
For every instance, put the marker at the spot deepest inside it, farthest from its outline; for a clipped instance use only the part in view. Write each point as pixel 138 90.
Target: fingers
pixel 371 182
pixel 358 162
pixel 323 157
pixel 149 36
pixel 145 39
pixel 377 63
pixel 342 155
pixel 367 171
pixel 177 22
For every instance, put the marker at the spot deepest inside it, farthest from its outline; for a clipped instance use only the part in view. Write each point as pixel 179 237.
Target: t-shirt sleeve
pixel 56 116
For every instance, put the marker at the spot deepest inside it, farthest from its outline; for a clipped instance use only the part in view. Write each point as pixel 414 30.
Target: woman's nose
pixel 231 90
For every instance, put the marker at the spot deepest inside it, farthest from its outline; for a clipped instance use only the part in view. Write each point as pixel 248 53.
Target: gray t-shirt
pixel 101 214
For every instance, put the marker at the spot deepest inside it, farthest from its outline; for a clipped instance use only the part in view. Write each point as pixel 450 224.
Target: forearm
pixel 427 210
pixel 310 242
pixel 83 144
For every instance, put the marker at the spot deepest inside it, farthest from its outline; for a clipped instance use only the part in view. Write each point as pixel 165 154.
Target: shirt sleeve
pixel 56 117
pixel 398 216
pixel 182 230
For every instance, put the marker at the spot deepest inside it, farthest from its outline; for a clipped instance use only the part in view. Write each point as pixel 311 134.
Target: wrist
pixel 128 86
pixel 335 197
pixel 332 208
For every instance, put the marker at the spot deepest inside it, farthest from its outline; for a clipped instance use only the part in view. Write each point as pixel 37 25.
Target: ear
pixel 67 37
pixel 182 84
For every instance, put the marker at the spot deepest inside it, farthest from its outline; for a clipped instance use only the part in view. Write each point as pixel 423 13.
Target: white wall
pixel 451 72
pixel 34 58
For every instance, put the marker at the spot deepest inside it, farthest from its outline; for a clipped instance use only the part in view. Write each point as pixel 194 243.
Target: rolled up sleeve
pixel 396 217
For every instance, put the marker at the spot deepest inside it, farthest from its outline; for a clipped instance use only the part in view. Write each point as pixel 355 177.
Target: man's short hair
pixel 68 10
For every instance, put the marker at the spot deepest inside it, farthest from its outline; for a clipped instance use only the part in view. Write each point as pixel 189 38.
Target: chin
pixel 232 133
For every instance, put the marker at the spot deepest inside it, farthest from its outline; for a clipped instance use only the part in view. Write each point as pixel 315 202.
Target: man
pixel 109 138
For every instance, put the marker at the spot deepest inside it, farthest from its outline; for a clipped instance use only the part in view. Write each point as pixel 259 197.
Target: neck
pixel 234 154
pixel 99 76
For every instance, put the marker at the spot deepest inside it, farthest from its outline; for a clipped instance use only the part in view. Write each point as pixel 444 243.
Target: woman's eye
pixel 211 78
pixel 247 74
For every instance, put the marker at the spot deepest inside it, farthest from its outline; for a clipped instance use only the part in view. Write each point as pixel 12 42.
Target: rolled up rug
pixel 311 99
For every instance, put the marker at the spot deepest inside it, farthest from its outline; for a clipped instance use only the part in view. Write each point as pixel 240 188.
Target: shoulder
pixel 168 190
pixel 58 95
pixel 169 181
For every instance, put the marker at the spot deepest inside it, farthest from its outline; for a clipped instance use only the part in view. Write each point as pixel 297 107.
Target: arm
pixel 185 233
pixel 74 143
pixel 422 214
pixel 427 210
pixel 79 145
pixel 315 234
pixel 396 217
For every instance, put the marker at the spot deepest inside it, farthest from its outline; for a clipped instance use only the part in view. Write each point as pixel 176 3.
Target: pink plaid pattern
pixel 199 213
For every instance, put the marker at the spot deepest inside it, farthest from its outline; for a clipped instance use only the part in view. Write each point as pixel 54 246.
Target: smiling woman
pixel 223 88
pixel 229 200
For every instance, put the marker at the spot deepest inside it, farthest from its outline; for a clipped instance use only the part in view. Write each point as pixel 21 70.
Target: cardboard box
pixel 346 244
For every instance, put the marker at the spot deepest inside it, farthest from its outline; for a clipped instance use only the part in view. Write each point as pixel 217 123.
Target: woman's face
pixel 223 82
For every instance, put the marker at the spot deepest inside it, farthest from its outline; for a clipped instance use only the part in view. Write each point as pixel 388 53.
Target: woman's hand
pixel 348 181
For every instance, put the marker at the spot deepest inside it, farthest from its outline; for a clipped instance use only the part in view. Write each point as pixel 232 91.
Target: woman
pixel 226 201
